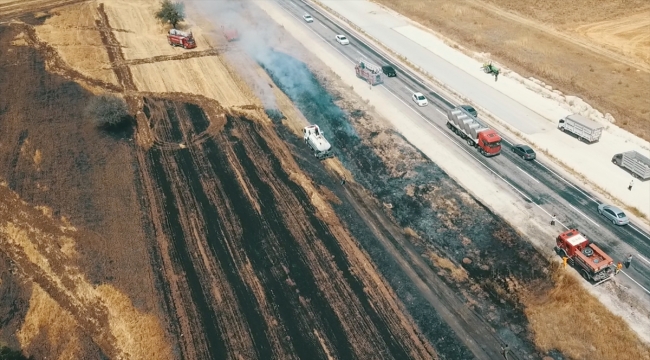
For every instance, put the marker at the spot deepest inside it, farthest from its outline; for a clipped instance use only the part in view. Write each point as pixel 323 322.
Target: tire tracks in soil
pixel 253 272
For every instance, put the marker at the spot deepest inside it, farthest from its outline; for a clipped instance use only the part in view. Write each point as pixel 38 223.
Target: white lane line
pixel 323 25
pixel 467 152
pixel 643 258
pixel 363 56
pixel 566 181
pixel 317 34
pixel 641 286
pixel 411 91
pixel 639 231
pixel 529 175
pixel 581 213
pixel 440 111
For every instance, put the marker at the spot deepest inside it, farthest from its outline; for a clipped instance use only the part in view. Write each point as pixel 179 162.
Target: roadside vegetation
pixel 171 12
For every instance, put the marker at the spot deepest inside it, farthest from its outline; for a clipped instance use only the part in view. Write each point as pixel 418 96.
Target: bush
pixel 108 110
pixel 8 354
pixel 171 13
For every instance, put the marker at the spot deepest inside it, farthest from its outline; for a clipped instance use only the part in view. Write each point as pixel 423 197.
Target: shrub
pixel 107 111
pixel 171 13
pixel 8 354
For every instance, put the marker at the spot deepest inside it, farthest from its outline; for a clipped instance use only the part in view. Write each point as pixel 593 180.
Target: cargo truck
pixel 369 72
pixel 477 135
pixel 634 162
pixel 578 125
pixel 590 260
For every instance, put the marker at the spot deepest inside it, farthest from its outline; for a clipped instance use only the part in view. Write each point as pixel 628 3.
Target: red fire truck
pixel 590 260
pixel 181 38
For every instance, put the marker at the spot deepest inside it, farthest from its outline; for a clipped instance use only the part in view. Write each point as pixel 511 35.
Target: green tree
pixel 171 13
pixel 107 110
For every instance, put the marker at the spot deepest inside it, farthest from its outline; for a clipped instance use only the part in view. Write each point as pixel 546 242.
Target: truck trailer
pixel 590 260
pixel 636 163
pixel 477 135
pixel 578 125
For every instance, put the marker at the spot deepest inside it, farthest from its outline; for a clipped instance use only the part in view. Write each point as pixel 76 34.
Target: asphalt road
pixel 546 192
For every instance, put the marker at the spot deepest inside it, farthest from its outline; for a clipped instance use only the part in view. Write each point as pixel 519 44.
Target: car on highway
pixel 525 151
pixel 388 71
pixel 470 110
pixel 341 39
pixel 308 18
pixel 614 214
pixel 419 99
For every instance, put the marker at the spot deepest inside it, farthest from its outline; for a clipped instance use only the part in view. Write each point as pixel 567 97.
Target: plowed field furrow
pixel 195 304
pixel 344 288
pixel 259 275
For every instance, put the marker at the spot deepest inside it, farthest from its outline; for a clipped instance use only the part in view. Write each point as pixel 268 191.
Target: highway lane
pixel 533 180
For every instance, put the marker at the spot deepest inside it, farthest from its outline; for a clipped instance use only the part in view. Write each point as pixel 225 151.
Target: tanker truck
pixel 314 138
pixel 477 135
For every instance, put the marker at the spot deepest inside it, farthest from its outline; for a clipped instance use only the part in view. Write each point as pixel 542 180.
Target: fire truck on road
pixel 369 72
pixel 590 260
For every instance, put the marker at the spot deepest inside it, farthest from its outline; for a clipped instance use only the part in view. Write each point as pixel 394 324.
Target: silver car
pixel 614 214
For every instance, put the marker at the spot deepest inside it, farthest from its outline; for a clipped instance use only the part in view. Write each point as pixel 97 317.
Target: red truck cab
pixel 489 142
pixel 181 38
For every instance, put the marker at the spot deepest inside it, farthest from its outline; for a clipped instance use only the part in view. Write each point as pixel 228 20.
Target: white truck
pixel 585 129
pixel 369 72
pixel 636 163
pixel 314 138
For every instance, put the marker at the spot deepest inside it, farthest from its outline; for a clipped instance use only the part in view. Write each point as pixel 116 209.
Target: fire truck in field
pixel 181 38
pixel 369 72
pixel 590 260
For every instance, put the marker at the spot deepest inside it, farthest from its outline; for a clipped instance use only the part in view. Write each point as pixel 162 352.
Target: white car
pixel 341 39
pixel 308 18
pixel 420 99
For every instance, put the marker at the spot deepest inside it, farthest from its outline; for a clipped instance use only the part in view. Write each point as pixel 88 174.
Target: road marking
pixel 467 152
pixel 411 91
pixel 461 147
pixel 641 286
pixel 643 258
pixel 440 111
pixel 363 56
pixel 317 34
pixel 581 213
pixel 639 231
pixel 566 181
pixel 323 25
pixel 529 175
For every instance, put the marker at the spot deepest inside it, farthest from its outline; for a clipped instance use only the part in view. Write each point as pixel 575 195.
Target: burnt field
pixel 490 262
pixel 253 269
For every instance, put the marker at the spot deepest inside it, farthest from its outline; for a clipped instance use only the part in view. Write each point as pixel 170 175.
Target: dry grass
pixel 609 85
pixel 74 35
pixel 457 273
pixel 62 330
pixel 588 330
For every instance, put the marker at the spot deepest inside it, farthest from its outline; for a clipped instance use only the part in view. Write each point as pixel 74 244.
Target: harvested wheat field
pixel 599 51
pixel 194 236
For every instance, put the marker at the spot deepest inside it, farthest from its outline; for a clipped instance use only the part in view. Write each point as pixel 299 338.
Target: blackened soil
pixel 444 220
pixel 263 277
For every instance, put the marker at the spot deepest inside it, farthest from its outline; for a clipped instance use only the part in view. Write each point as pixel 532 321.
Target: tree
pixel 107 110
pixel 170 12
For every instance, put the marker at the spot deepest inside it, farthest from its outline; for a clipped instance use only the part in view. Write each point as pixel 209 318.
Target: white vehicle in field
pixel 420 99
pixel 314 138
pixel 341 39
pixel 308 18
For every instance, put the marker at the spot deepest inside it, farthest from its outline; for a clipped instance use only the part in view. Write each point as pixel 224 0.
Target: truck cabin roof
pixel 491 136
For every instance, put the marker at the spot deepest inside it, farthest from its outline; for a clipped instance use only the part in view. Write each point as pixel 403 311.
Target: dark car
pixel 388 70
pixel 524 151
pixel 470 110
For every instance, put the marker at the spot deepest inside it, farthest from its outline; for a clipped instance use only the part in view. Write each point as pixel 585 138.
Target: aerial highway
pixel 546 191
